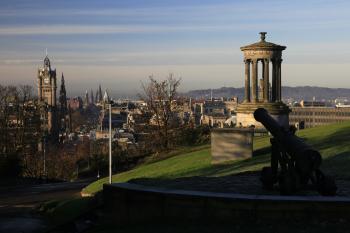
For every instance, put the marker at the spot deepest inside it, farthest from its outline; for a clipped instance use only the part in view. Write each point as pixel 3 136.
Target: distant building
pixel 342 102
pixel 307 117
pixel 65 121
pixel 304 103
pixel 75 103
pixel 47 86
pixel 215 112
pixel 103 134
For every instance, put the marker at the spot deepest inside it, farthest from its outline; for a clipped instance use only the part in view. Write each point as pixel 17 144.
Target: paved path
pixel 17 204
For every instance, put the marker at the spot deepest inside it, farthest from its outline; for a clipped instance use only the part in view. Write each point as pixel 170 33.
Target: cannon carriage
pixel 294 164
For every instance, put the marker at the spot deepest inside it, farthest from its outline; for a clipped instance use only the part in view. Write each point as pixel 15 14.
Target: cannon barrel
pixel 306 159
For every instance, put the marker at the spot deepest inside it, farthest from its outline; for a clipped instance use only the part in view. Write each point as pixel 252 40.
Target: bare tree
pixel 161 99
pixel 19 125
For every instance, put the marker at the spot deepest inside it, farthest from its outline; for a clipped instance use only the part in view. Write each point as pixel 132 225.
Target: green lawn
pixel 333 141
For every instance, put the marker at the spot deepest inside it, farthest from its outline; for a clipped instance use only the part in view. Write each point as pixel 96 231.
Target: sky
pixel 118 44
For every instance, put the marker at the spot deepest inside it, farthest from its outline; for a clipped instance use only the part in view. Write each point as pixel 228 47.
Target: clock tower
pixel 47 86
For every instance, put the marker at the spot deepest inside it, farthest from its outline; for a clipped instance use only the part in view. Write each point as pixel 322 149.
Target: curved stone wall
pixel 132 203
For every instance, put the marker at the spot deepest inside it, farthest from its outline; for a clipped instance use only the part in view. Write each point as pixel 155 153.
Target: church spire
pixel 106 97
pixel 63 96
pixel 47 62
pixel 92 100
pixel 63 86
pixel 97 99
pixel 86 100
pixel 63 106
pixel 100 93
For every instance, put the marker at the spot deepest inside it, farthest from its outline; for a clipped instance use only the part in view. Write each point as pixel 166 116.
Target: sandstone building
pixel 47 86
pixel 307 117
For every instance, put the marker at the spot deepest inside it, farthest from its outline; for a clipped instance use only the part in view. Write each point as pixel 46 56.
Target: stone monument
pixel 265 53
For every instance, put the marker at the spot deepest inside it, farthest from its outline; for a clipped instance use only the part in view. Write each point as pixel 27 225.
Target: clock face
pixel 46 80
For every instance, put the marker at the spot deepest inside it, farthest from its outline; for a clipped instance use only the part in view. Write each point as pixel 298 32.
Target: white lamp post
pixel 110 143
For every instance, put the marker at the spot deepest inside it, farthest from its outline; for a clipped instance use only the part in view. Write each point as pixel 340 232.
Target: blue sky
pixel 120 43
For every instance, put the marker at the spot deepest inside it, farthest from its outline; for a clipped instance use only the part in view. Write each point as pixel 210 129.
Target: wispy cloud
pixel 190 56
pixel 99 29
pixel 188 36
pixel 25 61
pixel 132 29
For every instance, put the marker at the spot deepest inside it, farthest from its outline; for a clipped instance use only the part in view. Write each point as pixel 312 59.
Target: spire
pixel 100 93
pixel 96 97
pixel 47 62
pixel 106 97
pixel 92 97
pixel 63 89
pixel 86 100
pixel 62 83
pixel 63 106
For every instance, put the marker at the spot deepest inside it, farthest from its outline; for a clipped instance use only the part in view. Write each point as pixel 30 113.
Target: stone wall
pixel 131 204
pixel 229 144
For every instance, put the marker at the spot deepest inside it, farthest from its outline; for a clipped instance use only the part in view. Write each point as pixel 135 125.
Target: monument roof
pixel 264 45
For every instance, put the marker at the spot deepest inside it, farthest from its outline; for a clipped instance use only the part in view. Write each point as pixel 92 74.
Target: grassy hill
pixel 333 142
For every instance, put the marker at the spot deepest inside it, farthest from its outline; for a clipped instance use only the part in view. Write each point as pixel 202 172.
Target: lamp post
pixel 44 139
pixel 43 119
pixel 110 143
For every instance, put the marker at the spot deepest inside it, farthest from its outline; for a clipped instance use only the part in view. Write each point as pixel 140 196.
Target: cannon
pixel 294 164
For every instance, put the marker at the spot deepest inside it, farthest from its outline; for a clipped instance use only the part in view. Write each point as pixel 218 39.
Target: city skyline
pixel 120 44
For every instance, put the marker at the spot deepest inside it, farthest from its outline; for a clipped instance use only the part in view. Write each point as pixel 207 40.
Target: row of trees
pixel 16 117
pixel 23 152
pixel 19 128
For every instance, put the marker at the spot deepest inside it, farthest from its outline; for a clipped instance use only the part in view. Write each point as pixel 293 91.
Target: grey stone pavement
pixel 18 204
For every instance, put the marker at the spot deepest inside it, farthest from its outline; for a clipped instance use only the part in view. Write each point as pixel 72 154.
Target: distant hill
pixel 297 93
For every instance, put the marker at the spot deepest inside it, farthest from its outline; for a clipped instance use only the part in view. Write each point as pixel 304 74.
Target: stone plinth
pixel 278 110
pixel 229 144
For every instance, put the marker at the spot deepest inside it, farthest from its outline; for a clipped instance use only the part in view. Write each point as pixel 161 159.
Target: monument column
pixel 274 81
pixel 266 80
pixel 255 80
pixel 279 83
pixel 247 81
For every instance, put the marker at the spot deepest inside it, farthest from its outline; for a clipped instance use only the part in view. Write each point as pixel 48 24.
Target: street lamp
pixel 43 118
pixel 110 143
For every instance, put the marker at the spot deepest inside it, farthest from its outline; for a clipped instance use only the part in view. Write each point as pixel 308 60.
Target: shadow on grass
pixel 338 165
pixel 242 176
pixel 244 183
pixel 262 151
pixel 336 150
pixel 339 139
